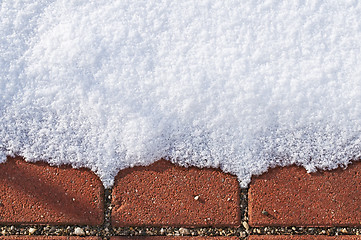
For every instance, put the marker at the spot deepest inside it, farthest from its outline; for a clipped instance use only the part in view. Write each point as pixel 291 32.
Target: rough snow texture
pixel 240 85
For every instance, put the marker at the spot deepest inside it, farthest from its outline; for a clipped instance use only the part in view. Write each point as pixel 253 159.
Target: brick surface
pixel 36 193
pixel 48 238
pixel 291 197
pixel 303 237
pixel 167 195
pixel 173 238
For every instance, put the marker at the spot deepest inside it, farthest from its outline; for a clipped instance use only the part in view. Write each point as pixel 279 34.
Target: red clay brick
pixel 167 195
pixel 303 237
pixel 48 238
pixel 36 193
pixel 291 197
pixel 173 238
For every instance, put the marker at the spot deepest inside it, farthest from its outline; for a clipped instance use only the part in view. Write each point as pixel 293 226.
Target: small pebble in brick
pixel 265 213
pixel 184 231
pixel 246 226
pixel 242 234
pixel 79 231
pixel 32 231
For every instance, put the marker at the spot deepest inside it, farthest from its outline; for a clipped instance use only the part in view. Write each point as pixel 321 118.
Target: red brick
pixel 48 238
pixel 36 193
pixel 163 194
pixel 173 238
pixel 291 197
pixel 303 237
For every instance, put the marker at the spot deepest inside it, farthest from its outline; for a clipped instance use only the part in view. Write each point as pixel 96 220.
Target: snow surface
pixel 241 85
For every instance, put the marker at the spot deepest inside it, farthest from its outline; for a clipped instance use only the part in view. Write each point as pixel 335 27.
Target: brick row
pixel 158 195
pixel 164 194
pixel 266 237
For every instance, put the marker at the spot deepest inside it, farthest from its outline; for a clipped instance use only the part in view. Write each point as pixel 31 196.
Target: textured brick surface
pixel 174 238
pixel 48 238
pixel 291 197
pixel 304 237
pixel 37 193
pixel 167 195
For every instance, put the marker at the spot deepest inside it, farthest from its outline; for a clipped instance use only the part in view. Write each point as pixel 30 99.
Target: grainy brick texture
pixel 304 237
pixel 36 193
pixel 291 197
pixel 167 195
pixel 48 238
pixel 174 238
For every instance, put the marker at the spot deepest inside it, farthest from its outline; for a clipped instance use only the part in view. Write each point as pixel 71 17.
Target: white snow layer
pixel 241 85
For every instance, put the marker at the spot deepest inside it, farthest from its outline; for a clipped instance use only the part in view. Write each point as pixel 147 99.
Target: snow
pixel 240 85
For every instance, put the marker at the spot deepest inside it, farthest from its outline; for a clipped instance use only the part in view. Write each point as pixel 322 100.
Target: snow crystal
pixel 241 85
